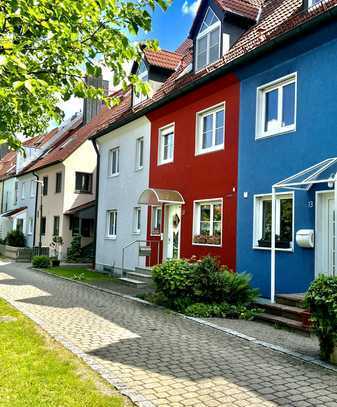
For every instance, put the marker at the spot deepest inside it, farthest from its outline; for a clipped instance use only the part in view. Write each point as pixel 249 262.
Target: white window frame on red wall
pixel 196 219
pixel 164 131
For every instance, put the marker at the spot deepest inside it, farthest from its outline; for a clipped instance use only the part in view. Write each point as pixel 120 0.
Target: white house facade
pixel 124 174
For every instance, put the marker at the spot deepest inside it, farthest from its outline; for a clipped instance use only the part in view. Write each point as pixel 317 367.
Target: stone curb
pixel 297 355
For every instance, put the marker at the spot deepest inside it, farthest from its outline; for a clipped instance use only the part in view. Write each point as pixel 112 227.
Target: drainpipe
pixel 35 215
pixel 273 244
pixel 2 196
pixel 96 198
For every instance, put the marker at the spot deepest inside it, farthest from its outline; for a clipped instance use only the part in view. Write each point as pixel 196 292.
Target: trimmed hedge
pixel 41 262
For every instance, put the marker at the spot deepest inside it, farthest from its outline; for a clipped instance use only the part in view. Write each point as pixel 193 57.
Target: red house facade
pixel 193 173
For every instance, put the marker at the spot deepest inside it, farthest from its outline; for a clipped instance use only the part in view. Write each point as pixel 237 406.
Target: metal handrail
pixel 139 242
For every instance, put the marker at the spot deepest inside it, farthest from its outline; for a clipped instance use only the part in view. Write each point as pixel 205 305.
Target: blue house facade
pixel 288 123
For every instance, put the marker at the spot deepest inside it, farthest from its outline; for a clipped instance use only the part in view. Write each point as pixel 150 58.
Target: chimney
pixel 92 107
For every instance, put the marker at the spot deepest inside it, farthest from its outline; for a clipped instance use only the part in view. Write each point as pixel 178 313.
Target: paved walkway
pixel 169 360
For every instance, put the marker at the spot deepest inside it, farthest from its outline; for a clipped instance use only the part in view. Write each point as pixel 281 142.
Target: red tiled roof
pixel 184 46
pixel 162 59
pixel 277 17
pixel 243 8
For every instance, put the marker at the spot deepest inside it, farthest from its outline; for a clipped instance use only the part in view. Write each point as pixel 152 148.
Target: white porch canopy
pixel 323 172
pixel 153 196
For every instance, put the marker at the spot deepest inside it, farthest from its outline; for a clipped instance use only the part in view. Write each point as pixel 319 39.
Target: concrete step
pixel 143 270
pixel 146 278
pixel 285 322
pixel 292 300
pixel 132 282
pixel 286 311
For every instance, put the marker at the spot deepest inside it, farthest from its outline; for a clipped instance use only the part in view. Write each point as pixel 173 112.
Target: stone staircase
pixel 288 311
pixel 141 277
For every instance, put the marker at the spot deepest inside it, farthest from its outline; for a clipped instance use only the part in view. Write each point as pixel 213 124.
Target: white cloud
pixel 191 8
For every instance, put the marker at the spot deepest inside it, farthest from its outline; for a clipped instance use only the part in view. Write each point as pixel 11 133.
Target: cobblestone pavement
pixel 169 360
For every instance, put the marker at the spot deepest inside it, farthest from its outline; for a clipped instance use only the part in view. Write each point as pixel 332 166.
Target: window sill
pixel 113 175
pixel 210 150
pixel 110 238
pixel 159 163
pixel 84 192
pixel 275 133
pixel 138 169
pixel 290 250
pixel 206 244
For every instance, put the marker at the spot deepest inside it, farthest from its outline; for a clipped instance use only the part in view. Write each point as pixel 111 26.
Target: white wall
pixel 122 193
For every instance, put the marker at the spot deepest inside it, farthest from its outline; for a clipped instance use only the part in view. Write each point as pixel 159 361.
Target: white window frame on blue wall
pixel 258 218
pixel 279 126
pixel 205 33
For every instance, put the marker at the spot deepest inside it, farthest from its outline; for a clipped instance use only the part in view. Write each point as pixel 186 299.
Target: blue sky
pixel 169 27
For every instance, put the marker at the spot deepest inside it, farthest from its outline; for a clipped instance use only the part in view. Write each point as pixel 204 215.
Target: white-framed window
pixel 210 129
pixel 114 162
pixel 284 216
pixel 314 2
pixel 166 144
pixel 137 219
pixel 207 222
pixel 111 230
pixel 276 107
pixel 32 188
pixel 156 218
pixel 30 226
pixel 142 74
pixel 23 190
pixel 139 153
pixel 208 42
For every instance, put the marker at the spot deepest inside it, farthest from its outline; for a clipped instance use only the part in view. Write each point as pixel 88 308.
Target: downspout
pixel 96 198
pixel 36 202
pixel 2 196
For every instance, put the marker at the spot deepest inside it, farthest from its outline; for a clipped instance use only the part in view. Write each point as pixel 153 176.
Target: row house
pixel 197 167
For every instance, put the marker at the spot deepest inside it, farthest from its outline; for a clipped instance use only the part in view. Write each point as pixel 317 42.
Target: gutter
pixel 36 202
pixel 258 52
pixel 96 197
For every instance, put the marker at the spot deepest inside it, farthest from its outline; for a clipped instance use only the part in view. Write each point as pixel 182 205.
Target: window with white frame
pixel 166 144
pixel 276 107
pixel 32 188
pixel 211 130
pixel 156 218
pixel 313 2
pixel 112 224
pixel 208 222
pixel 23 190
pixel 30 226
pixel 208 42
pixel 143 75
pixel 137 219
pixel 283 218
pixel 114 162
pixel 139 153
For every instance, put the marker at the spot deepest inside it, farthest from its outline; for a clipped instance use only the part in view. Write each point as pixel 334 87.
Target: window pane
pixel 219 132
pixel 214 45
pixel 217 228
pixel 288 110
pixel 207 131
pixel 271 121
pixel 205 228
pixel 202 52
pixel 266 220
pixel 217 212
pixel 286 220
pixel 205 213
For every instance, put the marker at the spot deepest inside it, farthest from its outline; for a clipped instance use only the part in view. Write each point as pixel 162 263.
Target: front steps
pixel 288 311
pixel 141 277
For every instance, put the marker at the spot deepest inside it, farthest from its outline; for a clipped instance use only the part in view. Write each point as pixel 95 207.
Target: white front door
pixel 325 235
pixel 172 232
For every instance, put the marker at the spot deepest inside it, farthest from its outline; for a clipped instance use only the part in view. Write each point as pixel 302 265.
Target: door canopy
pixel 153 196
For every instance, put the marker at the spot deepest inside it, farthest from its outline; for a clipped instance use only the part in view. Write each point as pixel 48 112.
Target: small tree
pixel 15 238
pixel 74 251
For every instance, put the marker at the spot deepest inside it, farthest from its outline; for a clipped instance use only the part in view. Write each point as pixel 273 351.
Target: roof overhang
pixel 14 212
pixel 153 196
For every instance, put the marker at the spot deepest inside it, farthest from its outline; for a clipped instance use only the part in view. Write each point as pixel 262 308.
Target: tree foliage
pixel 48 46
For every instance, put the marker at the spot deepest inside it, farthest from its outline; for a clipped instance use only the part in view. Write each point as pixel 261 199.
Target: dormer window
pixel 143 74
pixel 208 41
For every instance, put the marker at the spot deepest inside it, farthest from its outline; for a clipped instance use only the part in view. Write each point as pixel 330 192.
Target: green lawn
pixel 82 274
pixel 35 371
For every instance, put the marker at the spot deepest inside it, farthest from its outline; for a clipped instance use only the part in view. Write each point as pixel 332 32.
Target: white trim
pixel 261 91
pixel 257 223
pixel 198 131
pixel 110 161
pixel 137 216
pixel 152 220
pixel 139 141
pixel 108 217
pixel 196 223
pixel 160 160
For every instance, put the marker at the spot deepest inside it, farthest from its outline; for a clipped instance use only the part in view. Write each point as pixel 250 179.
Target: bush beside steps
pixel 203 289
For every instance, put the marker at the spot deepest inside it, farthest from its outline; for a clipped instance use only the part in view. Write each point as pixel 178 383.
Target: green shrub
pixel 15 238
pixel 74 252
pixel 173 279
pixel 41 261
pixel 321 300
pixel 202 310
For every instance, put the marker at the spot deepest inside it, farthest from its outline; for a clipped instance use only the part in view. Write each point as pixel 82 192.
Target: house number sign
pixel 310 204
